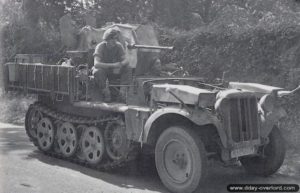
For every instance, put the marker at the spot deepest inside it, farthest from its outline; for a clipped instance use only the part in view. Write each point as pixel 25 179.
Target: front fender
pixel 270 113
pixel 197 116
pixel 270 119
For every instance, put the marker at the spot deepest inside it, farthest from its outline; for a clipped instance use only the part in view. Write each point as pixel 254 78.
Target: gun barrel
pixel 136 46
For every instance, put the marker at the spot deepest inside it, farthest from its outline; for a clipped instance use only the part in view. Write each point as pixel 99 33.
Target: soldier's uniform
pixel 110 55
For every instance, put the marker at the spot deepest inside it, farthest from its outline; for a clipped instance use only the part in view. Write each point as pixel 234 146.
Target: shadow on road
pixel 13 138
pixel 127 177
pixel 218 179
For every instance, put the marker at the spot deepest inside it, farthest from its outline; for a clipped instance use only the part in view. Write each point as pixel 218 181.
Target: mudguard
pixel 270 113
pixel 197 116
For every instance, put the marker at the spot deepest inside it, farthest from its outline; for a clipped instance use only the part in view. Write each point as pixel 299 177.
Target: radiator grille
pixel 243 119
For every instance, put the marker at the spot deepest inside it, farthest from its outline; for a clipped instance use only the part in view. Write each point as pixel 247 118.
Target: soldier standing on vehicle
pixel 109 62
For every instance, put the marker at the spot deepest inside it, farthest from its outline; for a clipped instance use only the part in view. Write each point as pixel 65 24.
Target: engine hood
pixel 258 89
pixel 188 94
pixel 234 93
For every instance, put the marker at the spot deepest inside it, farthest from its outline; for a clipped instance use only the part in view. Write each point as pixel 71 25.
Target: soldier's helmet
pixel 111 33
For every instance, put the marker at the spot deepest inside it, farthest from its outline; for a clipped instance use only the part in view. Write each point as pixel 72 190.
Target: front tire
pixel 180 159
pixel 271 161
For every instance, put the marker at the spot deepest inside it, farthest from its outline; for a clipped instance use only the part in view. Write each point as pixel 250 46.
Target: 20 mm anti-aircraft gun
pixel 182 122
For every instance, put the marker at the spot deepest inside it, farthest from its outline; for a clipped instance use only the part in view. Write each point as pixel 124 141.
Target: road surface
pixel 23 169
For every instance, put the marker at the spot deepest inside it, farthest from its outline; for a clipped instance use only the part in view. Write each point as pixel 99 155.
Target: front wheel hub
pixel 178 161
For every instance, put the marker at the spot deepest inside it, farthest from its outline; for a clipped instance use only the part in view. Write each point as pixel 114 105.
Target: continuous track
pixel 58 117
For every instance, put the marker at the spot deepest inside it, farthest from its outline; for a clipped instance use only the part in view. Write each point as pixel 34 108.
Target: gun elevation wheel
pixel 67 139
pixel 45 134
pixel 180 159
pixel 92 145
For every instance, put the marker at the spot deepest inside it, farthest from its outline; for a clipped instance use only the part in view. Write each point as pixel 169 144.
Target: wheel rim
pixel 34 117
pixel 92 145
pixel 45 134
pixel 117 146
pixel 177 161
pixel 67 139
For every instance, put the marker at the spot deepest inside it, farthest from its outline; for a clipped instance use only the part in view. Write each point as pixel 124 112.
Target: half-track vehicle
pixel 182 121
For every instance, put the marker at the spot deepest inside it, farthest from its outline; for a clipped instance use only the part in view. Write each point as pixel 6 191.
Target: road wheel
pixel 92 144
pixel 67 139
pixel 180 159
pixel 33 116
pixel 116 143
pixel 271 158
pixel 45 134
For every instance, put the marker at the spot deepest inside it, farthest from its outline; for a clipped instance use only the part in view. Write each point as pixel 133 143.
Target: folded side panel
pixel 39 78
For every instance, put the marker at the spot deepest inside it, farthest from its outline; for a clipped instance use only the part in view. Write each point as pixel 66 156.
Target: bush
pixel 14 107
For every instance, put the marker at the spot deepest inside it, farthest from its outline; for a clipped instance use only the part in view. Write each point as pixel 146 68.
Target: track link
pixel 107 165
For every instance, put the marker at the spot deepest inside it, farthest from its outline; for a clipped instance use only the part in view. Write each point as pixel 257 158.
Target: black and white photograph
pixel 149 96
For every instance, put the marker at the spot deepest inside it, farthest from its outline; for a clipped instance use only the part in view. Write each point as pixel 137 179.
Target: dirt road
pixel 23 169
